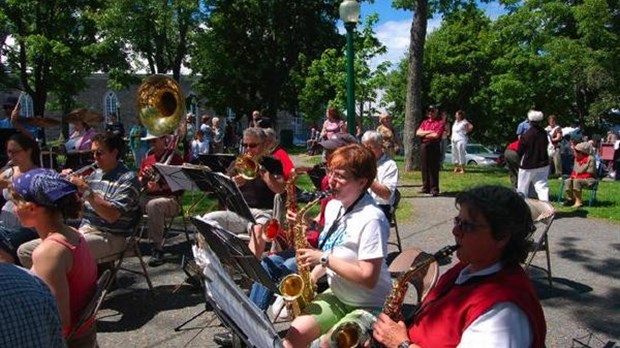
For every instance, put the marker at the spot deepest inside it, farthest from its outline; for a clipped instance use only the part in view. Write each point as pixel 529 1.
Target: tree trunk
pixel 413 104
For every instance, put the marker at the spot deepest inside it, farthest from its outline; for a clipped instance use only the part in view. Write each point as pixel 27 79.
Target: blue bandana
pixel 43 186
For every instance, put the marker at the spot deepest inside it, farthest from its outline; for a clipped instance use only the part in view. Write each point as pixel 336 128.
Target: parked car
pixel 477 155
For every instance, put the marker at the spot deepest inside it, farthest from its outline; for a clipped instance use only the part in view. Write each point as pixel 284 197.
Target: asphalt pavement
pixel 582 304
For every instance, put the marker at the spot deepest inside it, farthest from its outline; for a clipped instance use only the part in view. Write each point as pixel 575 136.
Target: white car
pixel 477 155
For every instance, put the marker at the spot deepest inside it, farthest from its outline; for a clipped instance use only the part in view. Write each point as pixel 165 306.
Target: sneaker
pixel 223 339
pixel 157 258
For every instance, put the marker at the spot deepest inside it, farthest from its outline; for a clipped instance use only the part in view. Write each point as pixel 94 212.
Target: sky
pixel 394 26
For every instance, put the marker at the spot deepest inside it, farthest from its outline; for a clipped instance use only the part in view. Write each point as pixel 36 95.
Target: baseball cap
pixel 338 140
pixel 43 187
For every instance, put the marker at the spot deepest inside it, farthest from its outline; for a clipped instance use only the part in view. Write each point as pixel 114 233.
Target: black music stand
pixel 175 177
pixel 217 162
pixel 224 188
pixel 248 323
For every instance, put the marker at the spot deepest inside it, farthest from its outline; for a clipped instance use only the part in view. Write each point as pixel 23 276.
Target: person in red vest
pixel 486 299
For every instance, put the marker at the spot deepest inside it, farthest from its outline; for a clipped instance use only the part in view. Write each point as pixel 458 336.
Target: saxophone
pixel 348 334
pixel 298 289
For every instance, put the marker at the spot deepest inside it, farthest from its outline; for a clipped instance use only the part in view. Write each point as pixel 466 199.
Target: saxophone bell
pixel 271 230
pixel 347 335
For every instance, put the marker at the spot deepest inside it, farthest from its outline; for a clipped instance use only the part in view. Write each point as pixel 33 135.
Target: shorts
pixel 329 311
pixel 11 239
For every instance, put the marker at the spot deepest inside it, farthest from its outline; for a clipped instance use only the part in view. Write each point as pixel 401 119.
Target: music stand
pixel 217 162
pixel 234 251
pixel 232 306
pixel 176 178
pixel 223 187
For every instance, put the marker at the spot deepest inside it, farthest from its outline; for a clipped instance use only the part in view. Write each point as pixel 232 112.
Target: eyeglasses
pixel 249 145
pixel 338 175
pixel 98 153
pixel 14 151
pixel 465 225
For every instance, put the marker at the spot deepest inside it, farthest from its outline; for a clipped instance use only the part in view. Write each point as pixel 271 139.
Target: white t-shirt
pixel 459 130
pixel 360 235
pixel 504 325
pixel 387 174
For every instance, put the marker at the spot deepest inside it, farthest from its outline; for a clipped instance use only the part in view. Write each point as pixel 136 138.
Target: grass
pixel 605 207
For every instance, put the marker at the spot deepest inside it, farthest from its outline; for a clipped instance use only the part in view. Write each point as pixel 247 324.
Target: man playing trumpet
pixel 258 190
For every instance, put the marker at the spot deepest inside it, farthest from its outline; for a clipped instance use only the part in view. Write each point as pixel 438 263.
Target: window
pixel 27 107
pixel 111 105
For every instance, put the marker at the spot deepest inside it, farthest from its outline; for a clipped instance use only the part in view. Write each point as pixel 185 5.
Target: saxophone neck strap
pixel 334 226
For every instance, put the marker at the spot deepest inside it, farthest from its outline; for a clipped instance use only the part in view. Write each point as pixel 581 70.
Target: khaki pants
pixel 102 244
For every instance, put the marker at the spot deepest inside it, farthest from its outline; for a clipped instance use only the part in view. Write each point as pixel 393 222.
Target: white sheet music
pixel 175 177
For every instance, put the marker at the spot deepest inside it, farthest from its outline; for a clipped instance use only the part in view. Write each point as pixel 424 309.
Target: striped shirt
pixel 119 187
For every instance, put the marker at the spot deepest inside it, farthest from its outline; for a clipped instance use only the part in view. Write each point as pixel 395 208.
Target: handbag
pixel 550 147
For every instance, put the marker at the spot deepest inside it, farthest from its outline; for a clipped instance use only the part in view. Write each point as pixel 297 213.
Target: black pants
pixel 512 163
pixel 429 159
pixel 387 211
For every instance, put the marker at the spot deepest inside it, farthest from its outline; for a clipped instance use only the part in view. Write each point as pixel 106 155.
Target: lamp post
pixel 349 13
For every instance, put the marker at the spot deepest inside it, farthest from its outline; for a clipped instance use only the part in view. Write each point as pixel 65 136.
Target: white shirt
pixel 504 325
pixel 459 130
pixel 387 174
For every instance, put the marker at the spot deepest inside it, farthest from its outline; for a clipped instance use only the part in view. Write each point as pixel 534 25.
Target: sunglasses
pixel 465 225
pixel 13 152
pixel 249 145
pixel 98 153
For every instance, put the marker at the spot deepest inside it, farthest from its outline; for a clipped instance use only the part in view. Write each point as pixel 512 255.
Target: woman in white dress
pixel 460 129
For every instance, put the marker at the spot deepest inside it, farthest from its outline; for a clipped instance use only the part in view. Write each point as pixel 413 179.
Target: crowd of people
pixel 345 243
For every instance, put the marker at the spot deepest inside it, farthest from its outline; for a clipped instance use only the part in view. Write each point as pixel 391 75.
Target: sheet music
pixel 232 305
pixel 176 178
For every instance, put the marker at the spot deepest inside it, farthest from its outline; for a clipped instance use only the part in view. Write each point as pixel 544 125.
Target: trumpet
pixel 247 167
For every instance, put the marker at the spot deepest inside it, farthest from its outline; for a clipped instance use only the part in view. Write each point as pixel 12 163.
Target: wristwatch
pixel 404 344
pixel 86 194
pixel 324 260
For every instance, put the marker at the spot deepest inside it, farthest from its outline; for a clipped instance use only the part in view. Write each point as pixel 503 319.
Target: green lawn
pixel 606 206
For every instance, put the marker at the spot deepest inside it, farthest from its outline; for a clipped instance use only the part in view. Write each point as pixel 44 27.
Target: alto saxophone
pixel 349 334
pixel 298 289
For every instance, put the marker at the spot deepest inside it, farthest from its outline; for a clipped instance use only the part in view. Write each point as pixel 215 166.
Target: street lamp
pixel 349 13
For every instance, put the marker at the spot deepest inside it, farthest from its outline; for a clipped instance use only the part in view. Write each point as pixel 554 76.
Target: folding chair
pixel 90 311
pixel 543 215
pixel 132 248
pixel 424 280
pixel 393 223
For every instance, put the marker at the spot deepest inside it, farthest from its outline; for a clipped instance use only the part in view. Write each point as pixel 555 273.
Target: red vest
pixel 449 309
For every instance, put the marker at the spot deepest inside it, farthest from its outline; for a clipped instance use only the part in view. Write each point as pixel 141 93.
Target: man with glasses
pixel 258 192
pixel 158 201
pixel 110 195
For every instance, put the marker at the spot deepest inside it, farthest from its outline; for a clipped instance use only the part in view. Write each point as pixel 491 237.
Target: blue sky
pixel 394 26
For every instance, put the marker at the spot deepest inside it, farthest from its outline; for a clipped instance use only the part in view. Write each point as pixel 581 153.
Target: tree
pixel 248 51
pixel 55 48
pixel 324 81
pixel 155 35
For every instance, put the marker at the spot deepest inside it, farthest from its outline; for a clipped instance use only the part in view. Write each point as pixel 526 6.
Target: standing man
pixel 383 187
pixel 532 150
pixel 259 121
pixel 430 132
pixel 258 192
pixel 158 201
pixel 110 196
pixel 206 129
pixel 10 119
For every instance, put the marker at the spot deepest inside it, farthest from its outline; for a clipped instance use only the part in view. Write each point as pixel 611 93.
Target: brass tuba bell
pixel 247 166
pixel 161 106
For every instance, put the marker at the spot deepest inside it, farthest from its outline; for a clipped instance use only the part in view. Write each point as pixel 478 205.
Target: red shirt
pixel 514 146
pixel 433 125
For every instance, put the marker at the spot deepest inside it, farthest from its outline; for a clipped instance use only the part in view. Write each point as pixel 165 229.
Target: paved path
pixel 585 297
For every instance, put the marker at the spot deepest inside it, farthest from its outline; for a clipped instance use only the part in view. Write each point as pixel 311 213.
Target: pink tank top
pixel 82 279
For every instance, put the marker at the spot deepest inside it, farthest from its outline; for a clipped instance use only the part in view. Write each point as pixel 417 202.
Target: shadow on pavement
pixel 130 309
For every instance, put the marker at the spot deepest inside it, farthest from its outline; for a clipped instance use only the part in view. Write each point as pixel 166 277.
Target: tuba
pixel 348 334
pixel 160 103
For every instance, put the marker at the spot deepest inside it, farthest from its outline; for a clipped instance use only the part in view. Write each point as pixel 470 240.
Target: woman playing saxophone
pixel 486 300
pixel 352 250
